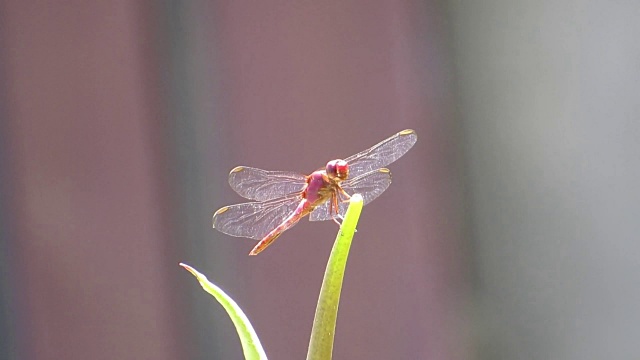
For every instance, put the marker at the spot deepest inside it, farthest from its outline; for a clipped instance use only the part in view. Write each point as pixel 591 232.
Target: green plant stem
pixel 248 338
pixel 324 322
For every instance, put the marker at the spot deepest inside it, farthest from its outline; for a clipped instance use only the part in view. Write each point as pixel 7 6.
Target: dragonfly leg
pixel 335 209
pixel 338 216
pixel 345 194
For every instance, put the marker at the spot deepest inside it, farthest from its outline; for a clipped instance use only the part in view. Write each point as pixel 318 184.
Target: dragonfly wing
pixel 255 219
pixel 263 185
pixel 322 212
pixel 369 185
pixel 381 154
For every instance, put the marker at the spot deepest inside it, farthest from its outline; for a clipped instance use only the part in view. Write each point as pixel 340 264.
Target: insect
pixel 282 198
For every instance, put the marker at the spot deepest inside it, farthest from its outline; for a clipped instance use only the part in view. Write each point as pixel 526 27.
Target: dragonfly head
pixel 338 169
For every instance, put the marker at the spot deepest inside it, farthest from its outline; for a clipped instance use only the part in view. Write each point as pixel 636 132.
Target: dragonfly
pixel 280 199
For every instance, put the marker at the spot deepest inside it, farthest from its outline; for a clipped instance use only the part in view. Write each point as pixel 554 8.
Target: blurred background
pixel 511 230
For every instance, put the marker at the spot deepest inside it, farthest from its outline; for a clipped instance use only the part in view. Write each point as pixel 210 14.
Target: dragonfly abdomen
pixel 303 209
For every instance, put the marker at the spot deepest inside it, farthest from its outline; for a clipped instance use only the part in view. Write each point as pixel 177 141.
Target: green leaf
pixel 324 322
pixel 250 343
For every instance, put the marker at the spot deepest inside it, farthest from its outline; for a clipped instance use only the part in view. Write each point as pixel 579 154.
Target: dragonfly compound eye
pixel 338 169
pixel 342 169
pixel 331 168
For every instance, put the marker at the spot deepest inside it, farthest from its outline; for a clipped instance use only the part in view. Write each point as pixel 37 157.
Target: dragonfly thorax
pixel 318 188
pixel 337 169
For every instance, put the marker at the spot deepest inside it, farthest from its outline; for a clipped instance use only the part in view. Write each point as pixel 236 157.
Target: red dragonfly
pixel 282 198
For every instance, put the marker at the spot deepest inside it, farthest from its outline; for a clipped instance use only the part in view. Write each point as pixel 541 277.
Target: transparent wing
pixel 263 185
pixel 369 185
pixel 381 154
pixel 255 219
